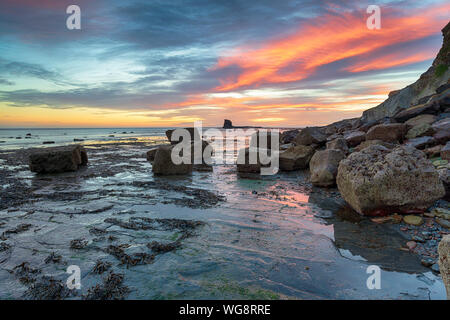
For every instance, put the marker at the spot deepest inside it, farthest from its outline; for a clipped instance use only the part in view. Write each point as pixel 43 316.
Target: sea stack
pixel 227 124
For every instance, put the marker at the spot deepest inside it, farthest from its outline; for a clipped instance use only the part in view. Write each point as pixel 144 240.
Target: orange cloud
pixel 327 39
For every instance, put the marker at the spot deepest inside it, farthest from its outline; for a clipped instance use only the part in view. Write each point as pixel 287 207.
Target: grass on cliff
pixel 440 70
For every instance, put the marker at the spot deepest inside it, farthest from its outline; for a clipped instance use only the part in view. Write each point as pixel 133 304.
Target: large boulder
pixel 354 138
pixel 323 167
pixel 58 159
pixel 296 158
pixel 339 143
pixel 444 262
pixel 376 180
pixel 309 136
pixel 392 132
pixel 163 164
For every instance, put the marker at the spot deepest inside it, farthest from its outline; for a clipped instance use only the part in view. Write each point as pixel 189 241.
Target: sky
pixel 168 63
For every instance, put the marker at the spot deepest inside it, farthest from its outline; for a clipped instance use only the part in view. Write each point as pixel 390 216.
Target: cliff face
pixel 437 75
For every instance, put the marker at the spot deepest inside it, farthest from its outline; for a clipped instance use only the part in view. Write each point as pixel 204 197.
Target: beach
pixel 209 235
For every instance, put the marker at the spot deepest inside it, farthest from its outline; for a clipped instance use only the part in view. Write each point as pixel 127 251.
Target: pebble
pixel 435 267
pixel 427 262
pixel 444 223
pixel 411 245
pixel 413 220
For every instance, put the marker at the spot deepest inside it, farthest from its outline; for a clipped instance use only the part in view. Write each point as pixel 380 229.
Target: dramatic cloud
pixel 159 62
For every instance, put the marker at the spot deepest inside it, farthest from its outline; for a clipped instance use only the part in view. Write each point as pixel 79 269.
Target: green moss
pixel 440 70
pixel 232 289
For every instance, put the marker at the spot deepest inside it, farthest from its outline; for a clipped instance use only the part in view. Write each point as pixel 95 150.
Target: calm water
pixel 26 138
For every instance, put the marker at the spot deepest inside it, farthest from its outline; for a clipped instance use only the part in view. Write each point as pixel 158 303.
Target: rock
pixel 441 213
pixel 227 124
pixel 395 218
pixel 391 132
pixel 310 135
pixel 441 136
pixel 421 142
pixel 78 140
pixel 151 154
pixel 376 180
pixel 295 158
pixel 413 220
pixel 420 130
pixel 411 245
pixel 445 151
pixel 369 143
pixel 193 132
pixel 323 167
pixel 433 151
pixel 354 138
pixel 435 268
pixel 58 159
pixel 288 136
pixel 421 119
pixel 163 164
pixel 48 142
pixel 286 146
pixel 443 124
pixel 444 262
pixel 444 175
pixel 339 144
pixel 443 223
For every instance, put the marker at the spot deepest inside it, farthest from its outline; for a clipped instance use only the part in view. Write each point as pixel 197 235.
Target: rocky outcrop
pixel 339 144
pixel 295 158
pixel 354 138
pixel 163 164
pixel 437 75
pixel 310 135
pixel 444 262
pixel 323 167
pixel 376 180
pixel 58 159
pixel 227 124
pixel 392 132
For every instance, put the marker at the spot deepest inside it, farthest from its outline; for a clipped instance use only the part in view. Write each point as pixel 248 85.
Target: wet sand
pixel 212 235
